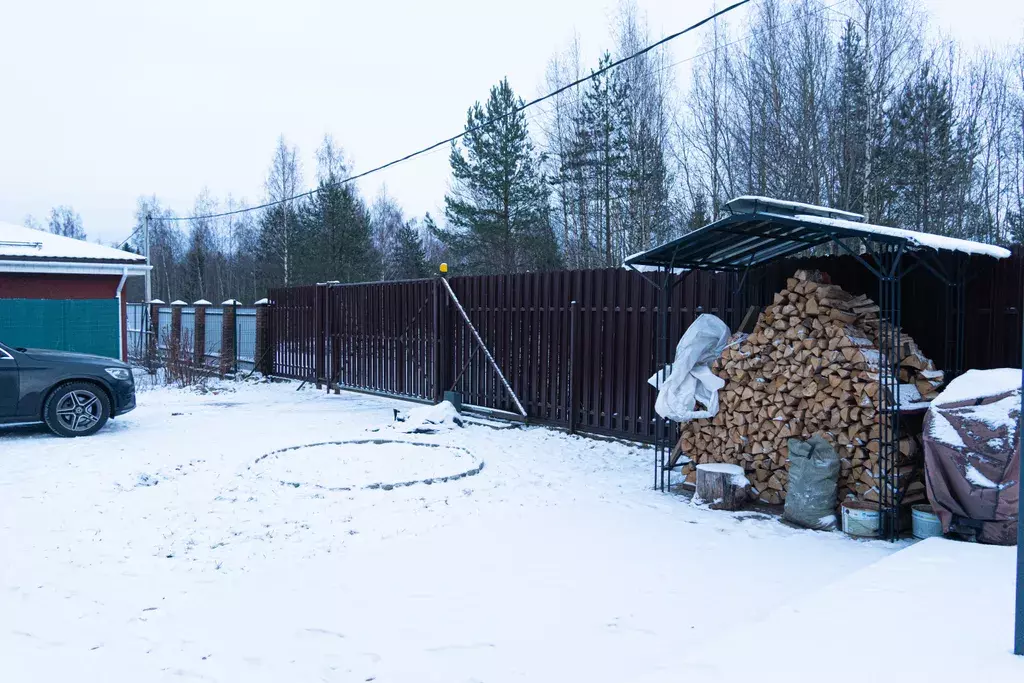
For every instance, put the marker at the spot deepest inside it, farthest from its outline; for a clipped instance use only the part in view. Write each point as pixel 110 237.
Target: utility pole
pixel 149 276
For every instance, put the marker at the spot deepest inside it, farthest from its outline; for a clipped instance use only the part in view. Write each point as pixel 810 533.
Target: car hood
pixel 71 357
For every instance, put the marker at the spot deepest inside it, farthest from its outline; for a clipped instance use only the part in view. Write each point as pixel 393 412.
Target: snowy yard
pixel 160 549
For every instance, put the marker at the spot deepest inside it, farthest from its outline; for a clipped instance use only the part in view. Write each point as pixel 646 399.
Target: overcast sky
pixel 103 101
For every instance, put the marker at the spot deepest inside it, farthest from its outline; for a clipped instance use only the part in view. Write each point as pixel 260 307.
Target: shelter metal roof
pixel 759 230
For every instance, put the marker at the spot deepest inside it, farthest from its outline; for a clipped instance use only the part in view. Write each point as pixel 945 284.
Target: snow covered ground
pixel 952 605
pixel 160 549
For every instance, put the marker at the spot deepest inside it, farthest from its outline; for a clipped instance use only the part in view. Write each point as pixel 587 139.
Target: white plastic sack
pixel 689 378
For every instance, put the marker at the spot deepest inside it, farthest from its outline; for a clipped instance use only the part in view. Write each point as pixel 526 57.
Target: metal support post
pixel 890 356
pixel 1018 636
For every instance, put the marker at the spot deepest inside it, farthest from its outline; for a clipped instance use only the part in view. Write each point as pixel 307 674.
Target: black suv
pixel 73 393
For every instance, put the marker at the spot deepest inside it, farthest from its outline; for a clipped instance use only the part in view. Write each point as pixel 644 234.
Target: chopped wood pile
pixel 809 366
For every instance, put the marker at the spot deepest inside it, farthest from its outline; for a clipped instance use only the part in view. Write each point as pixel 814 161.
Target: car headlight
pixel 122 374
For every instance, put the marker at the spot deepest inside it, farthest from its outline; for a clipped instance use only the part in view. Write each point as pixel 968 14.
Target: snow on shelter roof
pixel 759 230
pixel 751 204
pixel 21 243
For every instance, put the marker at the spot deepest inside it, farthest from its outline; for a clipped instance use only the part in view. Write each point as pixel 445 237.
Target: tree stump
pixel 722 486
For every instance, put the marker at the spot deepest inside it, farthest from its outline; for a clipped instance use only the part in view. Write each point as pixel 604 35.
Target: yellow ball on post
pixel 444 268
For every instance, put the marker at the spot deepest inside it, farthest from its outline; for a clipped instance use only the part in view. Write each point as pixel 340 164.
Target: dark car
pixel 73 393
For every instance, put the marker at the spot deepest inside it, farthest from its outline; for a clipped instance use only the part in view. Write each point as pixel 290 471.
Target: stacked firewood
pixel 810 366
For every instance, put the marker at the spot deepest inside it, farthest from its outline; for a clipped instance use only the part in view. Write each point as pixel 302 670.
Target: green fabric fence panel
pixel 82 325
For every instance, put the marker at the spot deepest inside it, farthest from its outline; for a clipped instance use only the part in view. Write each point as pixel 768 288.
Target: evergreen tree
pixel 498 209
pixel 698 214
pixel 927 158
pixel 336 239
pixel 849 122
pixel 598 155
pixel 407 259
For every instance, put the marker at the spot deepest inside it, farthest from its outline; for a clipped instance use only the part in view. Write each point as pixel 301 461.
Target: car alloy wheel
pixel 79 410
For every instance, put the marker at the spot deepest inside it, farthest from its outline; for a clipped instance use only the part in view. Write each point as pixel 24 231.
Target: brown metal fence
pixel 578 347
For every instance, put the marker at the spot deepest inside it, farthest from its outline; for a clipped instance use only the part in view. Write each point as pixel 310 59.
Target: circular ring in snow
pixel 366 464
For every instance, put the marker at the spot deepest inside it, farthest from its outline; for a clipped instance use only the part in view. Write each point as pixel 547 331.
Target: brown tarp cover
pixel 972 465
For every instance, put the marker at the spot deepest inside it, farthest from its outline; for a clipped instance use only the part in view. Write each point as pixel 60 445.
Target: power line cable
pixel 446 141
pixel 754 34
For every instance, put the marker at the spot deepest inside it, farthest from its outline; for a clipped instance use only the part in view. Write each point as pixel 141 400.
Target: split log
pixel 807 367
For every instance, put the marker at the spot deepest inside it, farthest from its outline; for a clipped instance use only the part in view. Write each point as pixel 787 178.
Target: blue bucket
pixel 926 523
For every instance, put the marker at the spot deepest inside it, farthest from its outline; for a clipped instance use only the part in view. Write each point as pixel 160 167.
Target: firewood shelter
pixel 757 231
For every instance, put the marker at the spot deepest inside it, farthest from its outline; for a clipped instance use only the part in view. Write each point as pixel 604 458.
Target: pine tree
pixel 498 210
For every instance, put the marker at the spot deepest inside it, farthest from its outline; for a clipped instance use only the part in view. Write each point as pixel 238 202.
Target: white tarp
pixel 689 378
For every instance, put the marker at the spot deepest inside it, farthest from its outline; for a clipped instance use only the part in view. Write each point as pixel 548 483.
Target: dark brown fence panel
pixel 585 363
pixel 293 333
pixel 381 337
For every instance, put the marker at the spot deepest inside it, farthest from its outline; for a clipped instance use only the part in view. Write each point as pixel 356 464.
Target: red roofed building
pixel 62 293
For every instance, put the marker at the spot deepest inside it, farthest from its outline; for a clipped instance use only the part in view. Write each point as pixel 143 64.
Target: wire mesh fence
pixel 214 333
pixel 212 344
pixel 245 338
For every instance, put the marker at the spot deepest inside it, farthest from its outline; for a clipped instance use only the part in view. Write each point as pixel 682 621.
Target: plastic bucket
pixel 860 519
pixel 926 523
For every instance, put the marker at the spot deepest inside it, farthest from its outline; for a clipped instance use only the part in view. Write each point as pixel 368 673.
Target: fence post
pixel 435 370
pixel 264 360
pixel 151 332
pixel 573 375
pixel 174 343
pixel 228 345
pixel 199 333
pixel 443 342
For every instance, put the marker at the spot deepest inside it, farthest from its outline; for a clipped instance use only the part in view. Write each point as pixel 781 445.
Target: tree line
pixel 847 105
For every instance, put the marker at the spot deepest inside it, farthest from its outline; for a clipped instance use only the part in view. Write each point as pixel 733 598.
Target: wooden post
pixel 1018 639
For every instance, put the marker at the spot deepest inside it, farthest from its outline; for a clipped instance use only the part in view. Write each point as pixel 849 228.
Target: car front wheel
pixel 76 409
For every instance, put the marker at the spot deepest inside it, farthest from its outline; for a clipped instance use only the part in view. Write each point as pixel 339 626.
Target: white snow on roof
pixel 202 302
pixel 921 239
pixel 750 203
pixel 979 384
pixel 20 242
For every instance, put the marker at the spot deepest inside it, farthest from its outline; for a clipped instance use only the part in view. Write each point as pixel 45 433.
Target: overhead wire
pixel 753 34
pixel 472 129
